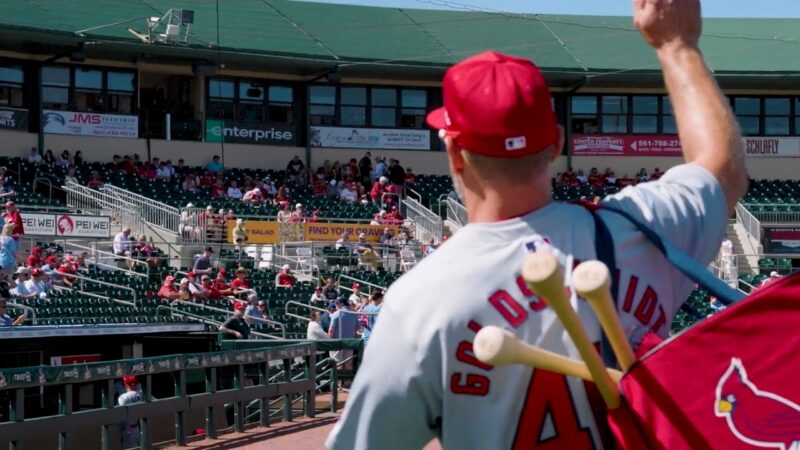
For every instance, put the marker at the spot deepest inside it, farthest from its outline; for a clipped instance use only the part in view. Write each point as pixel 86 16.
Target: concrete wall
pixel 16 143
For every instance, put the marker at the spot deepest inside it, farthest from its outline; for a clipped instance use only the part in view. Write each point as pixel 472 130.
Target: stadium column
pixel 238 405
pixel 64 408
pixel 145 441
pixel 180 416
pixel 17 414
pixel 211 387
pixel 263 403
pixel 287 399
pixel 40 112
pixel 311 374
pixel 307 112
pixel 108 402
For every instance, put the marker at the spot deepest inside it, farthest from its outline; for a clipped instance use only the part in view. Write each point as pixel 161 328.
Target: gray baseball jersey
pixel 420 378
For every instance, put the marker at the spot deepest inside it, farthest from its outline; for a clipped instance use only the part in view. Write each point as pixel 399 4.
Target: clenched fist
pixel 668 23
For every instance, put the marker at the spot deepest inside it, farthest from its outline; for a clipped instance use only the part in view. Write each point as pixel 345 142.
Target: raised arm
pixel 707 128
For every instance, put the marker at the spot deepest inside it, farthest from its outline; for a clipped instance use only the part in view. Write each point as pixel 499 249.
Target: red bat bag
pixel 729 382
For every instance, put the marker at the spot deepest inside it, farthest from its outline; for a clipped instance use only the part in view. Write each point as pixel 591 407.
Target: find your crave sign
pixel 268 232
pixel 67 225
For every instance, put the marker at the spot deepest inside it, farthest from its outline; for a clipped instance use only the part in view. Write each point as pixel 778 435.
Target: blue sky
pixel 711 8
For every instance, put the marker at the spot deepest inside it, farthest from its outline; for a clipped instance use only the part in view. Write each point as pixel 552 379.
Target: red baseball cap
pixel 238 305
pixel 496 105
pixel 130 380
pixel 190 274
pixel 222 271
pixel 10 204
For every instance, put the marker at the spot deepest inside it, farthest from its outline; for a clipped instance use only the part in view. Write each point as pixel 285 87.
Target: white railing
pixel 29 312
pixel 456 212
pixel 770 214
pixel 426 221
pixel 100 203
pixel 230 313
pixel 749 222
pixel 106 259
pixel 155 213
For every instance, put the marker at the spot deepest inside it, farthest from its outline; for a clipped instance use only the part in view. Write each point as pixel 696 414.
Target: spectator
pixel 642 176
pixel 610 177
pixel 77 161
pixel 315 331
pixel 81 264
pixel 773 277
pixel 582 179
pixel 355 297
pixel 325 320
pixel 163 172
pixel 394 217
pixel 241 284
pixel 39 283
pixel 123 246
pixel 129 433
pixel 34 157
pixel 202 265
pixel 365 167
pixel 21 290
pixel 314 217
pixel 343 326
pixel 284 215
pixel 236 327
pixel 184 293
pixel 49 159
pixel 71 177
pixel 95 181
pixel 715 304
pixel 343 242
pixel 190 184
pixel 351 170
pixel 66 269
pixel 35 259
pixel 387 236
pixel 299 214
pixel 168 291
pixel 143 251
pixel 396 176
pixel 294 168
pixel 380 168
pixel 208 285
pixel 214 166
pixel 195 288
pixel 374 307
pixel 13 217
pixel 429 248
pixel 5 319
pixel 378 189
pixel 218 189
pixel 8 250
pixel 251 310
pixel 52 257
pixel 5 187
pixel 330 291
pixel 656 174
pixel 253 196
pixel 411 177
pixel 380 218
pixel 239 233
pixel 64 160
pixel 348 192
pixel 361 244
pixel 317 298
pixel 221 284
pixel 284 278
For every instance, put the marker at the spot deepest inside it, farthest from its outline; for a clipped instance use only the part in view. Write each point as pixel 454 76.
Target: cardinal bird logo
pixel 757 417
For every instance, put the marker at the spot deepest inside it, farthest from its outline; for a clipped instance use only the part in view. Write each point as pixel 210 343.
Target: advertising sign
pixel 268 232
pixel 249 133
pixel 14 119
pixel 67 225
pixel 378 138
pixel 90 124
pixel 669 145
pixel 782 240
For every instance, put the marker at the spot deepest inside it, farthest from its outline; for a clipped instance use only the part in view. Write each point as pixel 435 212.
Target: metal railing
pixel 349 286
pixel 84 279
pixel 229 313
pixel 100 258
pixel 750 223
pixel 426 221
pixel 151 211
pixel 32 316
pixel 782 217
pixel 100 203
pixel 456 212
pixel 225 379
pixel 302 305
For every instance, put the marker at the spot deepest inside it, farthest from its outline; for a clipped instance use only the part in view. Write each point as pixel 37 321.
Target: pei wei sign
pixel 66 225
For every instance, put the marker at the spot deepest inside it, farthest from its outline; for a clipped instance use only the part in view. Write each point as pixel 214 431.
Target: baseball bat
pixel 498 347
pixel 592 281
pixel 545 278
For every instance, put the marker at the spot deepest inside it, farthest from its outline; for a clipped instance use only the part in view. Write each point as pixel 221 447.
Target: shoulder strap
pixel 683 262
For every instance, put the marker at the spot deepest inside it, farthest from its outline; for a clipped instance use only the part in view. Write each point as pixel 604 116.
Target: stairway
pixel 743 245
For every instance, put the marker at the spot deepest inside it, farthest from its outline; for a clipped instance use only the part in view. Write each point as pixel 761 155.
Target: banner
pixel 67 225
pixel 269 232
pixel 782 240
pixel 14 119
pixel 333 231
pixel 257 231
pixel 249 133
pixel 378 138
pixel 669 145
pixel 625 145
pixel 90 124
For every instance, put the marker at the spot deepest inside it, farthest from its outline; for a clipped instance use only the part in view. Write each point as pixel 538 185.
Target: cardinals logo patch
pixel 757 417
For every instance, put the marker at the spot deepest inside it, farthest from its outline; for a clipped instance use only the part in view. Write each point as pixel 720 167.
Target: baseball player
pixel 130 432
pixel 420 378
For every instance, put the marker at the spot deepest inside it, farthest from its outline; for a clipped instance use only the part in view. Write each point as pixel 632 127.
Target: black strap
pixel 604 248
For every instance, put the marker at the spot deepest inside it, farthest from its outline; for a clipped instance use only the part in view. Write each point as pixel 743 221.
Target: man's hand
pixel 238 335
pixel 668 23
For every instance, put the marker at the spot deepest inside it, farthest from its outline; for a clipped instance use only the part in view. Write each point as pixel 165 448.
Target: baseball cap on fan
pixel 496 105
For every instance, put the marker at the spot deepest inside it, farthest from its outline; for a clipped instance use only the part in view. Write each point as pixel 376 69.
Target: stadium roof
pixel 302 37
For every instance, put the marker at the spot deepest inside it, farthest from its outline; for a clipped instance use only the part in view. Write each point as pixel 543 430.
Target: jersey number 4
pixel 549 395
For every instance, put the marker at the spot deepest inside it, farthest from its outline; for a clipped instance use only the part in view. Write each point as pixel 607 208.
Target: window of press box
pixel 645 114
pixel 250 101
pixel 748 113
pixel 777 120
pixel 88 90
pixel 584 114
pixel 11 82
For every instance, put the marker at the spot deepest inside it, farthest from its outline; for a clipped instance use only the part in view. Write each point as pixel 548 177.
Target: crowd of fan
pixel 572 178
